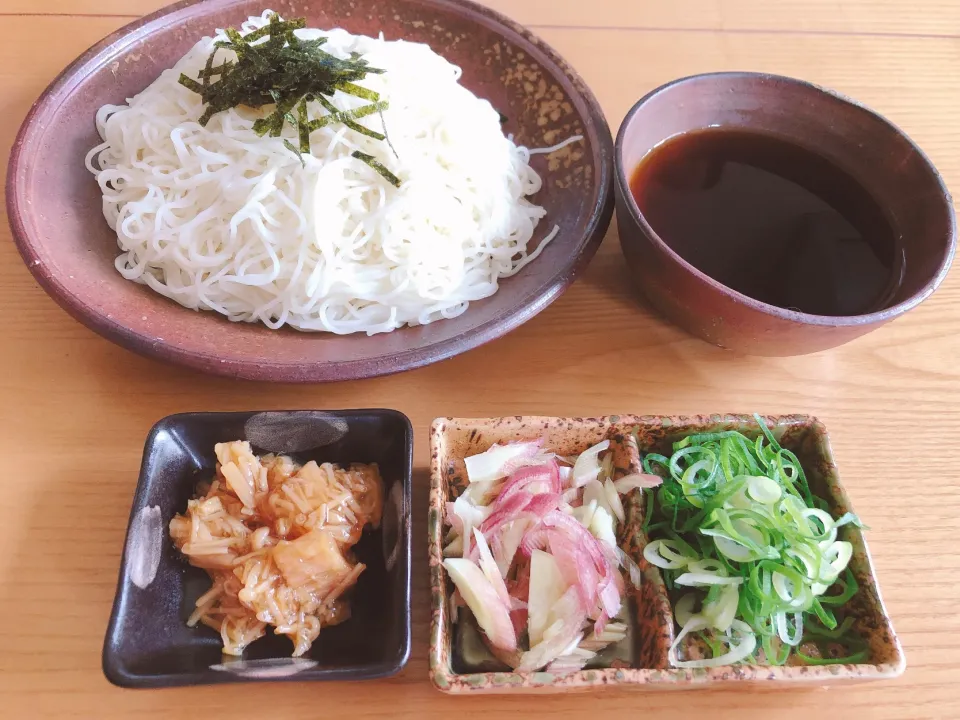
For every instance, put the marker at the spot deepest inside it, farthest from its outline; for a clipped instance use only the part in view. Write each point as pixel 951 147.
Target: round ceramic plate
pixel 54 204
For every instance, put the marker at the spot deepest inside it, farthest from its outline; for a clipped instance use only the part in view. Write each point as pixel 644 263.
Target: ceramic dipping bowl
pixel 871 150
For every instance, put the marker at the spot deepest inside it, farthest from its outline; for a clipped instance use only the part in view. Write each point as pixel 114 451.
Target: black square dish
pixel 148 643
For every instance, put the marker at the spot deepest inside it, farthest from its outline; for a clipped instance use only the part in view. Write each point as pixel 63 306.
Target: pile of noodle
pixel 218 218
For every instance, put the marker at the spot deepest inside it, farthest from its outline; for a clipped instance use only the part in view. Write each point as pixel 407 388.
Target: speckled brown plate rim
pixel 599 216
pixel 445 680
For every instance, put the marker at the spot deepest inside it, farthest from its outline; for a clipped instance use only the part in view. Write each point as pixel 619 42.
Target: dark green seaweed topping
pixel 293 148
pixel 378 166
pixel 345 118
pixel 288 73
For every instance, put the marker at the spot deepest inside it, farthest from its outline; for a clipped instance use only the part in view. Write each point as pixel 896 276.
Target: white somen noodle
pixel 218 218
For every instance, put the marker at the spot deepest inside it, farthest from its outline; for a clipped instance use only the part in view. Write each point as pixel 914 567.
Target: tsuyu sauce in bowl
pixel 771 220
pixel 770 216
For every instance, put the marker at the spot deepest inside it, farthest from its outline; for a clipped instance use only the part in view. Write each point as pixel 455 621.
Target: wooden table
pixel 74 409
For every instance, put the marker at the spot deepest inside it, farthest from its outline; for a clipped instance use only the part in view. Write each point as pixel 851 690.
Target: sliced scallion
pixel 737 531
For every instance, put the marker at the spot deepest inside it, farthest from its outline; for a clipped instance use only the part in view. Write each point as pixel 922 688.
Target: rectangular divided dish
pixel 651 620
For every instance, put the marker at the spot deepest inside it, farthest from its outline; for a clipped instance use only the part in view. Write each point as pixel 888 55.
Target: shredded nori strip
pixel 289 73
pixel 346 118
pixel 378 166
pixel 293 148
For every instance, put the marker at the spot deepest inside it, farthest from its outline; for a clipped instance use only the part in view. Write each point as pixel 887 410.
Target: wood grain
pixel 937 17
pixel 75 409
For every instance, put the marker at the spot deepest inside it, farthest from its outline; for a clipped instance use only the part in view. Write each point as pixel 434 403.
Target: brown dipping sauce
pixel 771 220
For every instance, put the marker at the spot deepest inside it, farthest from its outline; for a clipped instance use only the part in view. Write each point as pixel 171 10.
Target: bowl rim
pixel 110 663
pixel 880 316
pixel 598 213
pixel 446 680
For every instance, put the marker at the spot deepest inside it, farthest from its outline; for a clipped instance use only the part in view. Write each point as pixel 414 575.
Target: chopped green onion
pixel 852 659
pixel 736 527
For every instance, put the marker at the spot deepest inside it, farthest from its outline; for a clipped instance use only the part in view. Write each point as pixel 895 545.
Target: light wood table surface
pixel 75 409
